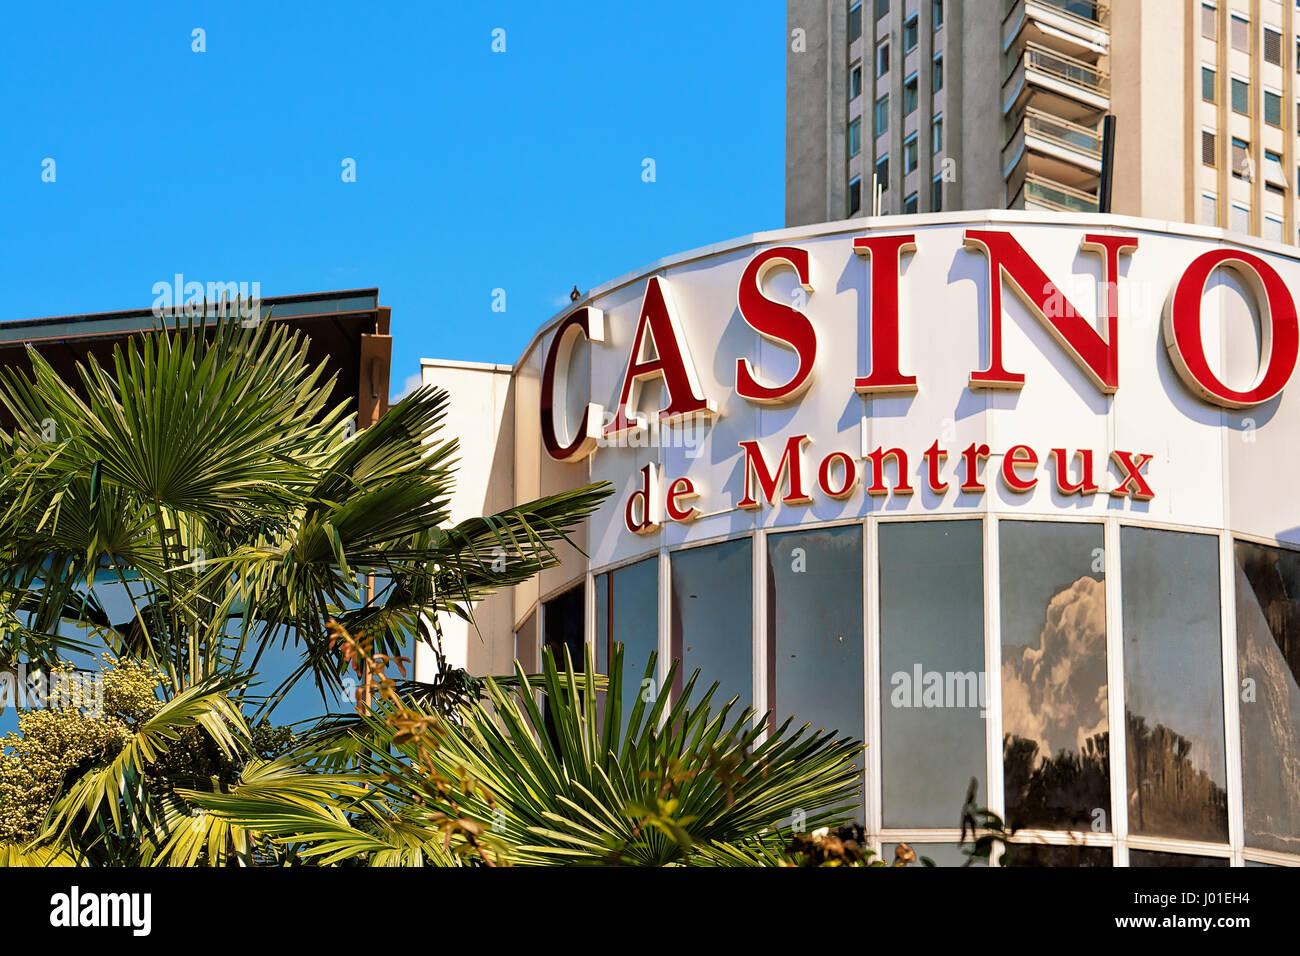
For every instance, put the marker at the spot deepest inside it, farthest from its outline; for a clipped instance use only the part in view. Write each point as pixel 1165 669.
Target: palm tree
pixel 204 479
pixel 672 783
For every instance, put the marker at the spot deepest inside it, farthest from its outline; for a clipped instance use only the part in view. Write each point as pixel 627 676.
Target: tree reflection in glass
pixel 1173 685
pixel 1268 663
pixel 1055 725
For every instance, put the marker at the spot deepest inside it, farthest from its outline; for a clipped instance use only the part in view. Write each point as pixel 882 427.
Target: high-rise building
pixel 999 104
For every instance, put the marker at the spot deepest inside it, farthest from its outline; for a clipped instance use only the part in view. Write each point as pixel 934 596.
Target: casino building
pixel 1004 494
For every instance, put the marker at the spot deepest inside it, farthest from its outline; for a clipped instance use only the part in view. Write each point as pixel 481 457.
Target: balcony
pixel 1068 88
pixel 1063 150
pixel 1039 192
pixel 1073 27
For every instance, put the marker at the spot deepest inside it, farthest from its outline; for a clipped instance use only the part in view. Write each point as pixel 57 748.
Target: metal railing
pixel 1072 136
pixel 1067 68
pixel 1049 194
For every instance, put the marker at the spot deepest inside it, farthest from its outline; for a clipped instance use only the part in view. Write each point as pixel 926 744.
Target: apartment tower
pixel 946 104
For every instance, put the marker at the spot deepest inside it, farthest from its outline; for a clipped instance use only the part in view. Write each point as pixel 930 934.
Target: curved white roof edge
pixel 897 223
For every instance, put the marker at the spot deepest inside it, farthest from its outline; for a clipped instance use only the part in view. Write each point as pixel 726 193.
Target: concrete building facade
pixel 998 104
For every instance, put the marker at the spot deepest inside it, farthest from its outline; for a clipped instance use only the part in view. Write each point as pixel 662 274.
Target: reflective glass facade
pixel 1074 669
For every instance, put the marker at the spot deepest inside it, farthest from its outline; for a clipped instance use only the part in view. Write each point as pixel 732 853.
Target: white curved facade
pixel 989 612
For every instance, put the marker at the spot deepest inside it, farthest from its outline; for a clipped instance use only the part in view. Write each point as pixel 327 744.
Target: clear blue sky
pixel 475 170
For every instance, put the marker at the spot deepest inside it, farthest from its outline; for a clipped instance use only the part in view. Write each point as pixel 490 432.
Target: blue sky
pixel 475 170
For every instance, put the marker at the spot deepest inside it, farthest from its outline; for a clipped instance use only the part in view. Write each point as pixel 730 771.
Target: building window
pixel 936 74
pixel 855 195
pixel 1273 172
pixel 563 627
pixel 910 98
pixel 882 59
pixel 627 613
pixel 1240 33
pixel 910 156
pixel 1268 655
pixel 814 607
pixel 1273 228
pixel 936 194
pixel 1056 771
pixel 1207 85
pixel 855 137
pixel 1209 22
pixel 1240 96
pixel 882 8
pixel 526 650
pixel 1209 210
pixel 1173 685
pixel 1272 47
pixel 911 33
pixel 910 204
pixel 711 598
pixel 1207 148
pixel 1154 858
pixel 1240 218
pixel 855 22
pixel 564 634
pixel 882 172
pixel 855 83
pixel 1241 165
pixel 930 753
pixel 936 14
pixel 936 136
pixel 882 114
pixel 1272 108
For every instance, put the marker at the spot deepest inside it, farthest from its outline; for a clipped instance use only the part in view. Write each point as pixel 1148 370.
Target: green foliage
pixel 51 745
pixel 676 783
pixel 205 475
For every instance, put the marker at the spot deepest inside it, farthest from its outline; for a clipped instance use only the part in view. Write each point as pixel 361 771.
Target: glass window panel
pixel 1152 858
pixel 855 22
pixel 1240 34
pixel 712 617
pixel 940 854
pixel 1209 211
pixel 526 651
pixel 627 613
pixel 564 627
pixel 1209 22
pixel 910 33
pixel 855 137
pixel 1207 85
pixel 1173 684
pixel 910 97
pixel 932 670
pixel 815 664
pixel 1043 854
pixel 1272 109
pixel 882 115
pixel 1268 663
pixel 1240 96
pixel 1055 727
